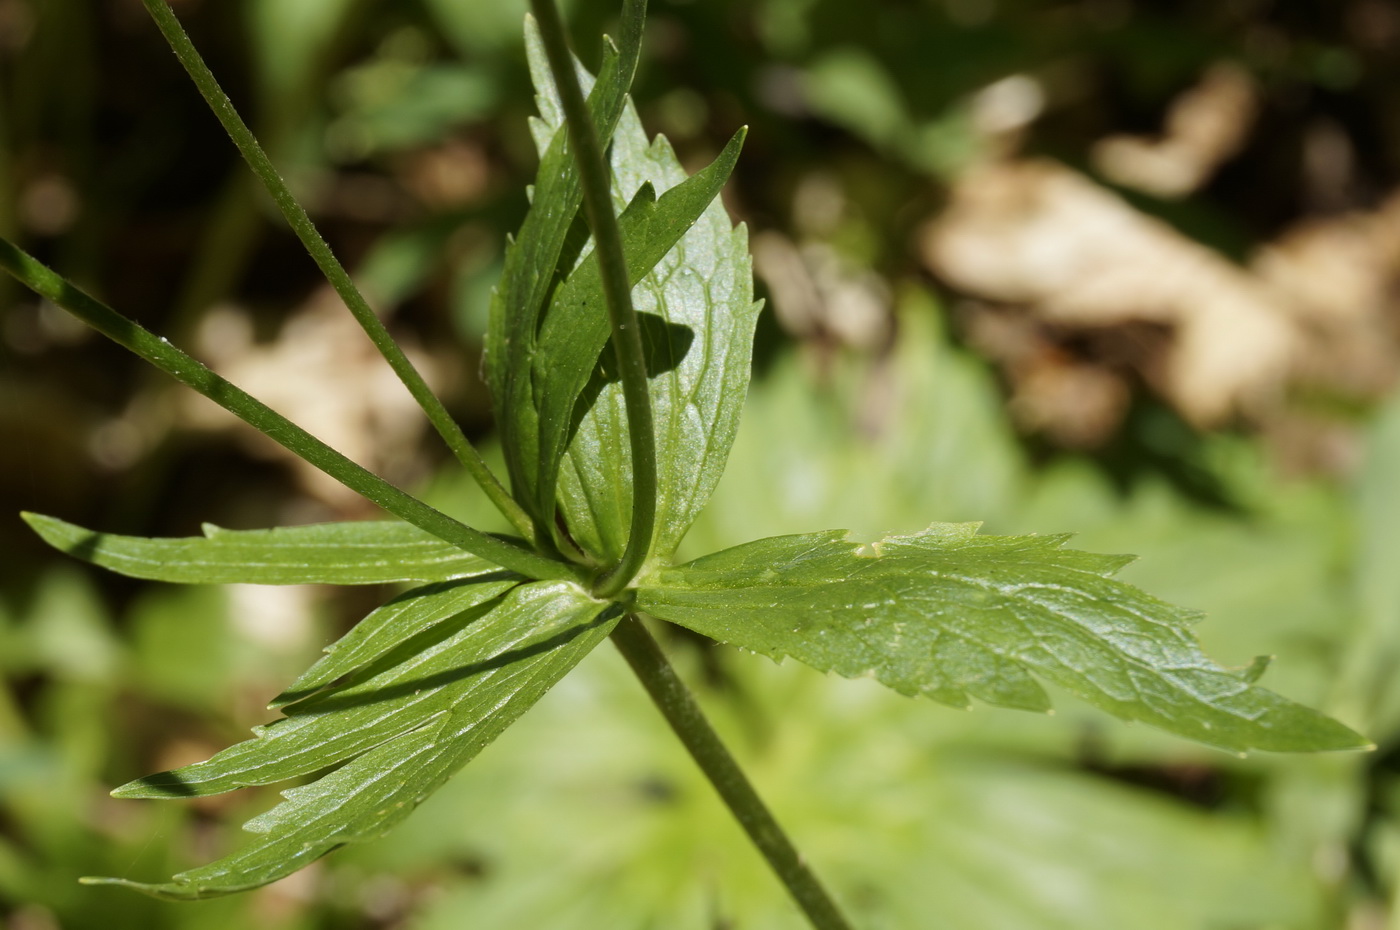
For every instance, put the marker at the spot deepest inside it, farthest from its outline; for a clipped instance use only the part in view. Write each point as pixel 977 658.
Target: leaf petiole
pixel 617 291
pixel 190 372
pixel 339 278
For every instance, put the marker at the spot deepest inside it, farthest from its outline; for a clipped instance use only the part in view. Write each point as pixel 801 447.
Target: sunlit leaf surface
pixel 371 552
pixel 701 295
pixel 953 615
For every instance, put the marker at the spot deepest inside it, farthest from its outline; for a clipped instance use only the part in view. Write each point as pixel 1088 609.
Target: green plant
pixel 616 429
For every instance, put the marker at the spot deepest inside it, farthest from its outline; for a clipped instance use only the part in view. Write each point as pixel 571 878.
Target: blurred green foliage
pixel 404 127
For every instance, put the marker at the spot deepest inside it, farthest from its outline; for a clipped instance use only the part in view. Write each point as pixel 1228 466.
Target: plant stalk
pixel 637 646
pixel 617 291
pixel 297 218
pixel 681 711
pixel 187 370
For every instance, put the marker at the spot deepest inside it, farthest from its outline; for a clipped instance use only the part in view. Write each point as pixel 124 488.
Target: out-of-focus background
pixel 1124 268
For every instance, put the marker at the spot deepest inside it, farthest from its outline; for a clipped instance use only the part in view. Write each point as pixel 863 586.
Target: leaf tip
pixel 66 537
pixel 1252 672
pixel 94 881
pixel 1358 744
pixel 168 892
pixel 161 787
pixel 1313 731
pixel 291 696
pixel 108 880
pixel 97 880
pixel 42 524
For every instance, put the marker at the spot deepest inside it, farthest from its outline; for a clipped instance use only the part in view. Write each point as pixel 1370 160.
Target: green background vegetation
pixel 891 389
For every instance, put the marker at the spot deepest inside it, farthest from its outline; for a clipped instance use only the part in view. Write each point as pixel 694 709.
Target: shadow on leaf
pixel 664 345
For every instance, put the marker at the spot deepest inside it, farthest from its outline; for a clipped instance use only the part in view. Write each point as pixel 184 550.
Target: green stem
pixel 682 712
pixel 188 371
pixel 641 651
pixel 330 266
pixel 617 291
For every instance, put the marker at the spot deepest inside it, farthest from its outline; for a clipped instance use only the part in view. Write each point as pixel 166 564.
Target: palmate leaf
pixel 953 615
pixel 398 730
pixel 701 293
pixel 429 679
pixel 369 552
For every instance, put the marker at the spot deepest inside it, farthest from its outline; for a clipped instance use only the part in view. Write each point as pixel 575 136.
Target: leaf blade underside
pixel 951 615
pixel 400 731
pixel 533 266
pixel 406 617
pixel 704 286
pixel 575 331
pixel 366 552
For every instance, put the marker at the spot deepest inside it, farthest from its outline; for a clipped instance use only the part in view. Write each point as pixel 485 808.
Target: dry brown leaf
pixel 322 373
pixel 1077 399
pixel 1340 277
pixel 818 294
pixel 1039 235
pixel 1204 127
